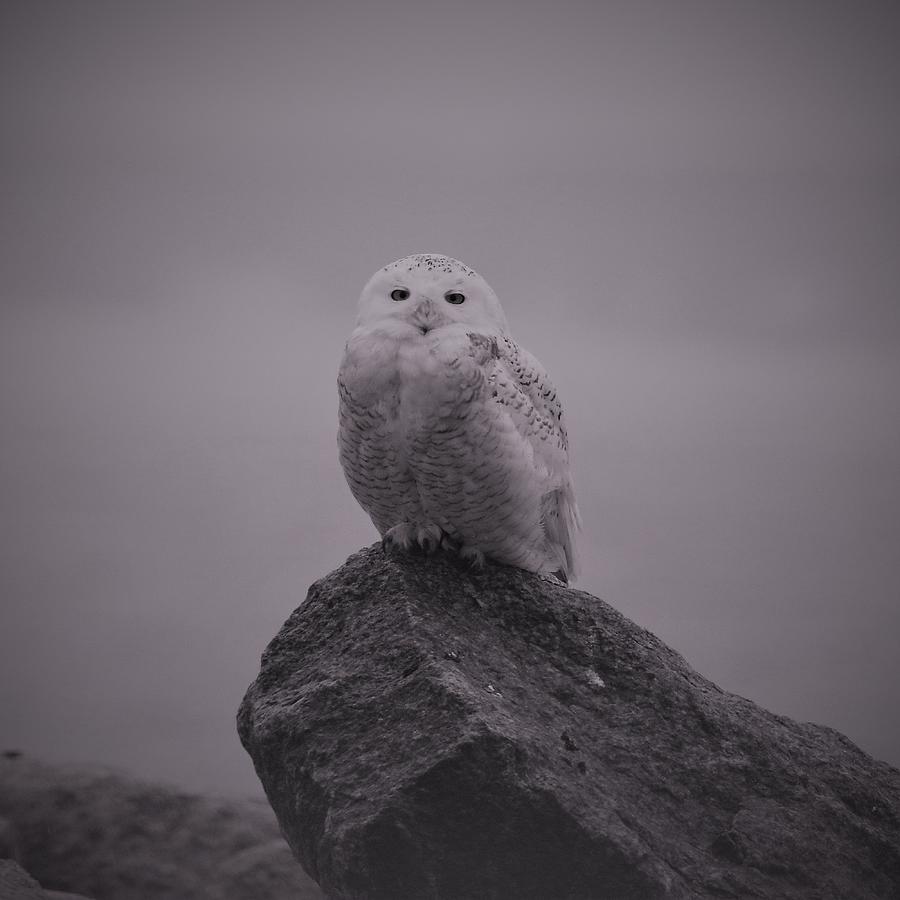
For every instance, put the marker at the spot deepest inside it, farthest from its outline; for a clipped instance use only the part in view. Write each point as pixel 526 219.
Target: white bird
pixel 450 433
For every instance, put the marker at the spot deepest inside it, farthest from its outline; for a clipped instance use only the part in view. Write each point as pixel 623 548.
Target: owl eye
pixel 400 294
pixel 455 297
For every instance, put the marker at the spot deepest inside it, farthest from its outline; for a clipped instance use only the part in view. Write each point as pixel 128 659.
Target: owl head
pixel 428 291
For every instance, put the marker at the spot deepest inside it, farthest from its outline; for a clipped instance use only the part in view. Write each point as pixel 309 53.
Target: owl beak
pixel 425 316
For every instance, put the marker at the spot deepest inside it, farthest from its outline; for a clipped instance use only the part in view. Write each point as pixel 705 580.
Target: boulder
pixel 113 837
pixel 423 730
pixel 17 884
pixel 8 844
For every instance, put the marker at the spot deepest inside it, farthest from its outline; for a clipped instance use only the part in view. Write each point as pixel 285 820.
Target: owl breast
pixel 423 440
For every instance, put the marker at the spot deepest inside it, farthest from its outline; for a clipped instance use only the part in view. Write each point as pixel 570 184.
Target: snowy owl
pixel 450 433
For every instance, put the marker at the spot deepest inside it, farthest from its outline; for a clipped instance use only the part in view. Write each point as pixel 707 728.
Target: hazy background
pixel 690 210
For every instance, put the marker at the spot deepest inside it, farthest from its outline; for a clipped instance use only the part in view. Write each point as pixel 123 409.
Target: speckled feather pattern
pixel 432 263
pixel 445 421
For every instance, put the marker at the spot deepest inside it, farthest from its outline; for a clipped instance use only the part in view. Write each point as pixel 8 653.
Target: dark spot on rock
pixel 728 845
pixel 565 693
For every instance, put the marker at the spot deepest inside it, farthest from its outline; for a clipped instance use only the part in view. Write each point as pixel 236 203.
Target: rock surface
pixel 423 731
pixel 112 837
pixel 17 884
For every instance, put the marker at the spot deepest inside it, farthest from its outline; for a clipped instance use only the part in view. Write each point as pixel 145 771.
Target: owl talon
pixel 429 537
pixel 408 538
pixel 473 556
pixel 400 537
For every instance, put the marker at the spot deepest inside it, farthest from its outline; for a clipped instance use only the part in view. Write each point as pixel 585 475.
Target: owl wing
pixel 522 387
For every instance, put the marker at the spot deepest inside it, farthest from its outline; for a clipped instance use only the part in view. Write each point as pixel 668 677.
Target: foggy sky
pixel 690 211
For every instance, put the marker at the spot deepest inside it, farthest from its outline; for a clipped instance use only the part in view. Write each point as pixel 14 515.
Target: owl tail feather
pixel 561 521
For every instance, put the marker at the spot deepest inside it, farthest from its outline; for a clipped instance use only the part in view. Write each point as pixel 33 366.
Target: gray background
pixel 689 210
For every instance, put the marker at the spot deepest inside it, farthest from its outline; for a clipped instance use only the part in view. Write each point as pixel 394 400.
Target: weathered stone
pixel 117 838
pixel 17 884
pixel 8 843
pixel 424 731
pixel 63 895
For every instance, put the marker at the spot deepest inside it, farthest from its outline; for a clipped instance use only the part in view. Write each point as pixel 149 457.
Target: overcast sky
pixel 690 211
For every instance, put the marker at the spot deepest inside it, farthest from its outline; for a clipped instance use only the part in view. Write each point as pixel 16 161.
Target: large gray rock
pixel 423 731
pixel 17 884
pixel 112 837
pixel 8 844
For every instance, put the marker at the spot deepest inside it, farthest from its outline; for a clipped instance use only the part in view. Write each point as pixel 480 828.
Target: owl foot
pixel 484 348
pixel 427 538
pixel 472 555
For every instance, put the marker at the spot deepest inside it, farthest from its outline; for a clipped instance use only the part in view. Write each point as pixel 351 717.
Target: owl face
pixel 426 292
